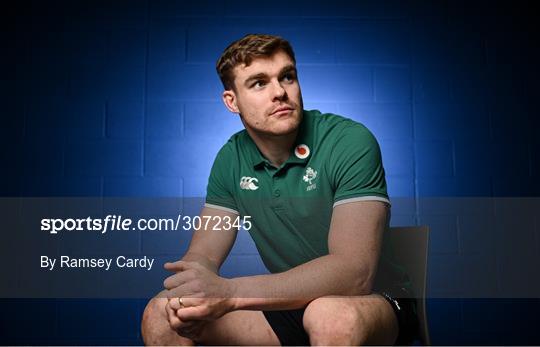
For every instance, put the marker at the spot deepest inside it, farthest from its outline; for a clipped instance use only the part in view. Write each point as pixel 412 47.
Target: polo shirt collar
pixel 302 145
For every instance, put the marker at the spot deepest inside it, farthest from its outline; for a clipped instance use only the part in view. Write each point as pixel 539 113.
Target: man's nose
pixel 279 91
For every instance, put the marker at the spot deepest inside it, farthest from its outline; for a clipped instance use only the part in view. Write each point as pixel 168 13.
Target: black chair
pixel 410 250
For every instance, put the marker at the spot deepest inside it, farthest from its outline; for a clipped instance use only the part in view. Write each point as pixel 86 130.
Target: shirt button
pixel 276 192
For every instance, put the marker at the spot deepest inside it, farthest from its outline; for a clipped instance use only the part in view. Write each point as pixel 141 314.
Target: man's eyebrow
pixel 257 76
pixel 288 68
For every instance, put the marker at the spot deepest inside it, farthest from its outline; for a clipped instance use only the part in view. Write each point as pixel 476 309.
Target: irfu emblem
pixel 309 176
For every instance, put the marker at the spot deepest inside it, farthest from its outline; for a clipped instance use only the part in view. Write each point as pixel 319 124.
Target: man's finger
pixel 175 303
pixel 173 319
pixel 180 302
pixel 184 291
pixel 179 265
pixel 191 329
pixel 191 313
pixel 189 326
pixel 176 280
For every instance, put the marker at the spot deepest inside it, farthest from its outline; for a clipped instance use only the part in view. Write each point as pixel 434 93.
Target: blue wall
pixel 121 98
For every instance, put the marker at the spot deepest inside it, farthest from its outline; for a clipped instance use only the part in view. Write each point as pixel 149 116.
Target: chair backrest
pixel 410 250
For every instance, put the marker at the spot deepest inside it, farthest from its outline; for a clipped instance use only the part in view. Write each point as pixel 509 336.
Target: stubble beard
pixel 268 133
pixel 273 133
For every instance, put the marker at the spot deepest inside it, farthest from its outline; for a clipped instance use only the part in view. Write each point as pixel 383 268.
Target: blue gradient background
pixel 121 98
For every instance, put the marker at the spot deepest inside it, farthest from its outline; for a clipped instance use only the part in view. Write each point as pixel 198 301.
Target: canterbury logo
pixel 249 183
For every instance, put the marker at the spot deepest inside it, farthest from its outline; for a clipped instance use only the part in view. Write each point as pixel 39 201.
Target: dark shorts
pixel 289 328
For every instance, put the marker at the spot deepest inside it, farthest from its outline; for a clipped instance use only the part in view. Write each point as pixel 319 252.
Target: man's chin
pixel 290 126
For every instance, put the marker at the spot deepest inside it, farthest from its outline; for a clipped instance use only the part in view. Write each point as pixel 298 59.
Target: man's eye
pixel 258 84
pixel 288 77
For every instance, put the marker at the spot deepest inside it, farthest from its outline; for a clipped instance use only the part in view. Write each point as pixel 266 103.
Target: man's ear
pixel 229 99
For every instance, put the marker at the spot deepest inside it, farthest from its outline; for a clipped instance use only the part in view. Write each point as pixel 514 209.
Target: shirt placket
pixel 277 189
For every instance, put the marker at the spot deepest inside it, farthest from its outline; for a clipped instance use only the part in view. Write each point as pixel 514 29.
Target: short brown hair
pixel 244 50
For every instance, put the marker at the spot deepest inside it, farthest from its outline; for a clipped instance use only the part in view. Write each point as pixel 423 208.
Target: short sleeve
pixel 357 171
pixel 219 191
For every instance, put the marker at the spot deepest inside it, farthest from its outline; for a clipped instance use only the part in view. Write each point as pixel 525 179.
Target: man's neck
pixel 276 149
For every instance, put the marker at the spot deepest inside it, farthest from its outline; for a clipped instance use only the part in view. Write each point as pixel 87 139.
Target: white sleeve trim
pixel 217 207
pixel 361 198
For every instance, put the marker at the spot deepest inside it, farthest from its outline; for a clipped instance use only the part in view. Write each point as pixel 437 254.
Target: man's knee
pixel 331 321
pixel 153 320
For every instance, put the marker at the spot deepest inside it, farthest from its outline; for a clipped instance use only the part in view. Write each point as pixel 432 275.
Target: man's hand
pixel 205 296
pixel 191 329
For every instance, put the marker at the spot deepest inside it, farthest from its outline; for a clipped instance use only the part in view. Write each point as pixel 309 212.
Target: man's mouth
pixel 282 110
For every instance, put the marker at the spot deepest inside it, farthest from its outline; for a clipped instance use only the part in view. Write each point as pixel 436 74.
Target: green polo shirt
pixel 335 160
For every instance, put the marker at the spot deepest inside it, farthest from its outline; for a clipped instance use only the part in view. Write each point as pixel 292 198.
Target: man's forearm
pixel 295 288
pixel 201 259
